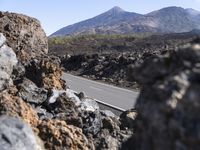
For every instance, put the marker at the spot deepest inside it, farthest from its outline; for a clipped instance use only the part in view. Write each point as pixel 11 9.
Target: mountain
pixel 118 21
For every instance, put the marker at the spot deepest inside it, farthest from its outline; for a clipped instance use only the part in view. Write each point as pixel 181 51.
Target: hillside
pixel 117 43
pixel 119 21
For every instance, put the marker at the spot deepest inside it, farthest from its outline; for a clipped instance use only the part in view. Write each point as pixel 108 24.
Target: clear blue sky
pixel 54 14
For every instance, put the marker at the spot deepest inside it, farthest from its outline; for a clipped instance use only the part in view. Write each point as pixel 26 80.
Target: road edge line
pixel 109 105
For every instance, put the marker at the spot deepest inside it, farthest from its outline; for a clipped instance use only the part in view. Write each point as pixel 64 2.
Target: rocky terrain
pixel 169 103
pixel 38 111
pixel 140 43
pixel 111 63
pixel 109 68
pixel 118 21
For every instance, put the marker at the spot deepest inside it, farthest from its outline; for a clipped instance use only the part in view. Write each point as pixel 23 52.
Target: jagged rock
pixel 81 113
pixel 168 106
pixel 88 104
pixel 64 108
pixel 2 39
pixel 108 113
pixel 24 35
pixel 127 119
pixel 29 92
pixel 7 61
pixel 15 135
pixel 43 113
pixel 14 106
pixel 58 135
pixel 68 94
pixel 18 73
pixel 106 139
pixel 110 120
pixel 47 73
pixel 111 124
pixel 91 122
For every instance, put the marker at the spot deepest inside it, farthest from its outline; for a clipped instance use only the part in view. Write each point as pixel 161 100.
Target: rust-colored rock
pixel 47 73
pixel 24 35
pixel 58 135
pixel 52 75
pixel 15 106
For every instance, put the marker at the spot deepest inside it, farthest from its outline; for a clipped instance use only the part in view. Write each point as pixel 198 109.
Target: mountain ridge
pixel 118 21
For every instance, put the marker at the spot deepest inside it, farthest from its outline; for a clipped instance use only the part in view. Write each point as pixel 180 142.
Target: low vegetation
pixel 91 44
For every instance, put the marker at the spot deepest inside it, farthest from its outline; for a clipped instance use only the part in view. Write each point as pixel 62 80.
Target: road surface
pixel 118 97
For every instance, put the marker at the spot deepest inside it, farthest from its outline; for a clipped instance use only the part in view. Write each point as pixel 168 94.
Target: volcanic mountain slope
pixel 118 21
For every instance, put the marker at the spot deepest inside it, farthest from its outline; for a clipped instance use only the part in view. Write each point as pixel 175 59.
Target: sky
pixel 55 14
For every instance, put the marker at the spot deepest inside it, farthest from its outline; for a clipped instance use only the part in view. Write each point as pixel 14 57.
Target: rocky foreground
pixel 38 111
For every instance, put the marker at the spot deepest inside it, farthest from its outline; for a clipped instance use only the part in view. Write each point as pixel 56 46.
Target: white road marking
pixel 98 89
pixel 94 85
pixel 104 103
pixel 110 105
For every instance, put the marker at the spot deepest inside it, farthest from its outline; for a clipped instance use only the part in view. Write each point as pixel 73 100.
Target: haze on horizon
pixel 57 14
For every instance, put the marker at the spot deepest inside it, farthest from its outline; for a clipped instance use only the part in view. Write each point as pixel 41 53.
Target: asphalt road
pixel 118 97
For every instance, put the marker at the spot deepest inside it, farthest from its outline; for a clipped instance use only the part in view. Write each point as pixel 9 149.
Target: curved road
pixel 117 97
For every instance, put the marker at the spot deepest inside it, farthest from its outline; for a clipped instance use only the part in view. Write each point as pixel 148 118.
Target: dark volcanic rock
pixel 85 113
pixel 18 72
pixel 168 106
pixel 111 140
pixel 127 119
pixel 29 92
pixel 106 67
pixel 24 35
pixel 16 135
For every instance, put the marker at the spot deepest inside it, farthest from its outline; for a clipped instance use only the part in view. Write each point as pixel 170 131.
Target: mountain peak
pixel 117 21
pixel 117 9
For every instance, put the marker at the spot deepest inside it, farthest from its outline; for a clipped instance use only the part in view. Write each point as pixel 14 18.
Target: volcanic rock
pixel 24 35
pixel 168 105
pixel 58 135
pixel 14 106
pixel 82 113
pixel 45 72
pixel 111 68
pixel 30 93
pixel 127 119
pixel 31 89
pixel 7 61
pixel 15 135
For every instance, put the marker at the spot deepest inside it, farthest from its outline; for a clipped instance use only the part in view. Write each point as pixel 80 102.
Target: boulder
pixel 168 105
pixel 24 35
pixel 127 119
pixel 58 135
pixel 82 113
pixel 30 93
pixel 7 61
pixel 2 39
pixel 16 135
pixel 14 106
pixel 111 140
pixel 47 73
